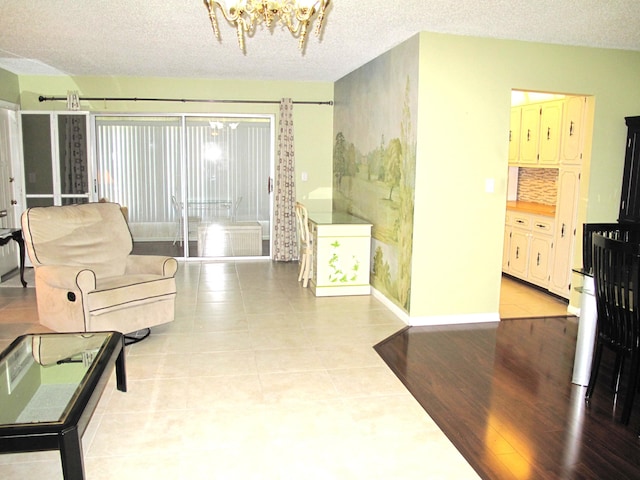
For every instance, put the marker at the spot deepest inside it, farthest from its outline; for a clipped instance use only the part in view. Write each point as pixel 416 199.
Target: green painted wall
pixel 463 120
pixel 9 87
pixel 313 123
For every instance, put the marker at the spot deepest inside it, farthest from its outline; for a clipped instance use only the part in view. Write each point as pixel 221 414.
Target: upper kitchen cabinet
pixel 550 121
pixel 539 138
pixel 529 135
pixel 630 199
pixel 572 135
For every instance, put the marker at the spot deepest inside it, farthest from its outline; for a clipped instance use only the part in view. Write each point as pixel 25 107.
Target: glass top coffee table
pixel 50 385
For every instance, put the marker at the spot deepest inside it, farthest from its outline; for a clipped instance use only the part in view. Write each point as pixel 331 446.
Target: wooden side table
pixel 15 234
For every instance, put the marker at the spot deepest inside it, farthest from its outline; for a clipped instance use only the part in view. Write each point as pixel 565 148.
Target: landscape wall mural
pixel 374 160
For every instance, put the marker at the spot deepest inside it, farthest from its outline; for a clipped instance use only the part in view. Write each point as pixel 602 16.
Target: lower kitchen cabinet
pixel 519 252
pixel 528 247
pixel 540 255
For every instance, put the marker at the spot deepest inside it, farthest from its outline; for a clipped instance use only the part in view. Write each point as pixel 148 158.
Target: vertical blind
pixel 140 163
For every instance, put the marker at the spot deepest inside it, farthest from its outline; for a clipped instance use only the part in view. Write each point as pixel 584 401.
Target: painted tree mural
pixel 374 160
pixel 393 165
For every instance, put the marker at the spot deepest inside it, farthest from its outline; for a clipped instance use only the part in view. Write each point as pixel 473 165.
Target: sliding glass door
pixel 228 165
pixel 194 186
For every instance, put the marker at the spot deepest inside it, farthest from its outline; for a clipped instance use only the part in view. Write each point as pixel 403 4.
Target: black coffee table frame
pixel 66 435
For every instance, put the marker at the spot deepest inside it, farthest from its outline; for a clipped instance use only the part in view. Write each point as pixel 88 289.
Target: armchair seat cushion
pixel 114 293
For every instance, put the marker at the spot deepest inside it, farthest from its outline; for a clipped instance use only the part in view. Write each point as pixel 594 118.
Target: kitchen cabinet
pixel 550 122
pixel 529 135
pixel 539 137
pixel 540 251
pixel 539 248
pixel 572 135
pixel 630 198
pixel 341 254
pixel 519 252
pixel 564 237
pixel 519 241
pixel 527 248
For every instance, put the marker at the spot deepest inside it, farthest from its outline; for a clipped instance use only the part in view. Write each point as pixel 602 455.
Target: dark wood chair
pixel 616 267
pixel 628 232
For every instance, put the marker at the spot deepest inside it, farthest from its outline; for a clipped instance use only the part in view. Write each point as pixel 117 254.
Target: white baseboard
pixel 396 310
pixel 435 319
pixel 455 319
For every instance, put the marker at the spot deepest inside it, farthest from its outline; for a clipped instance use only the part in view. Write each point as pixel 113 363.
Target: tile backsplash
pixel 539 185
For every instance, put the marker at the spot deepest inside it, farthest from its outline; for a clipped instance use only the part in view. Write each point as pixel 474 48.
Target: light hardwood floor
pixel 519 300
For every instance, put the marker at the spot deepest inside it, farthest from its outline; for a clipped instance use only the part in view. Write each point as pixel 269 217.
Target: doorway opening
pixel 549 157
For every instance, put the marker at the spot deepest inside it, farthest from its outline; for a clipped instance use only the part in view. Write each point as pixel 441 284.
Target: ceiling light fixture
pixel 296 15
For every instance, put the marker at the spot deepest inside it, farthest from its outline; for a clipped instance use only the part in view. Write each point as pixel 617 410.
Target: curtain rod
pixel 42 98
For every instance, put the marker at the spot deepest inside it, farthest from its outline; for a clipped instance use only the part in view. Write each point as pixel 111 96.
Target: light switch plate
pixel 489 185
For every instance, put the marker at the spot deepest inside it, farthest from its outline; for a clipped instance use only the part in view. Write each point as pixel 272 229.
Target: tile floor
pixel 255 379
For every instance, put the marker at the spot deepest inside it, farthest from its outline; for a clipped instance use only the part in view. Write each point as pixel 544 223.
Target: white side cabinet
pixel 341 254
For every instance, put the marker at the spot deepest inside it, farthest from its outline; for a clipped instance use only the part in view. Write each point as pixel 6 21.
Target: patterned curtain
pixel 285 245
pixel 73 154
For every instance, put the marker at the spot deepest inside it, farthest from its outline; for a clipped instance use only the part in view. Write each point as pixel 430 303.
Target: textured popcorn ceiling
pixel 173 38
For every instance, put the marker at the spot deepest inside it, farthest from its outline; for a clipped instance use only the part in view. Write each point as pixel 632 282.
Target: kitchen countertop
pixel 531 207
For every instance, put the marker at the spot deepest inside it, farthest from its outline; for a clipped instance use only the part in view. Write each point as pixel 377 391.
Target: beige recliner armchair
pixel 86 278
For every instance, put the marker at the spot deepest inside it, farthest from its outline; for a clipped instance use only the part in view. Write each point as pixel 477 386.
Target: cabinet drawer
pixel 543 225
pixel 521 221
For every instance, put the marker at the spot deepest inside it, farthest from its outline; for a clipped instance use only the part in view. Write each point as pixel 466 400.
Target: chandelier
pixel 245 15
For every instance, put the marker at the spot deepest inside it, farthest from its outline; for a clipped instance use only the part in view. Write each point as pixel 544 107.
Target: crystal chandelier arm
pixel 303 33
pixel 240 29
pixel 212 17
pixel 323 6
pixel 234 16
pixel 303 15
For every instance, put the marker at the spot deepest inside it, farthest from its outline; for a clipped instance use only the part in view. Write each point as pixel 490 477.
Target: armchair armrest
pixel 155 264
pixel 67 277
